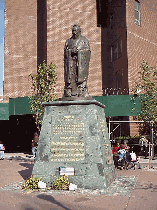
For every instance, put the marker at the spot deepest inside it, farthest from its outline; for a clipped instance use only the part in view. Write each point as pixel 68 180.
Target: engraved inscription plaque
pixel 67 140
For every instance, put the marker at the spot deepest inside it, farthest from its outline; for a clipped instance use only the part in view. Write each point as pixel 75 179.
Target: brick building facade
pixel 20 47
pixel 121 34
pixel 30 39
pixel 141 41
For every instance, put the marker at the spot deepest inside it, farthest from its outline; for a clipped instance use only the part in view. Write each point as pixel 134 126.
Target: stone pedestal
pixel 74 134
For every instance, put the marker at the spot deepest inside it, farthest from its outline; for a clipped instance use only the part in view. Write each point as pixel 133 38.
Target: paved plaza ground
pixel 132 189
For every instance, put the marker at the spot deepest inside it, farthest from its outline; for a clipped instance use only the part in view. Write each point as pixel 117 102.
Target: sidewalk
pixel 132 190
pixel 143 160
pixel 144 163
pixel 28 156
pixel 18 156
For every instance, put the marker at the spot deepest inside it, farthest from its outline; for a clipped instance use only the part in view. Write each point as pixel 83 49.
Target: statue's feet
pixel 67 92
pixel 83 92
pixel 74 93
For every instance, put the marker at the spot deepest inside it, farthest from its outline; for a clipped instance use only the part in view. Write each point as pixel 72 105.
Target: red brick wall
pixel 20 45
pixel 141 43
pixel 20 57
pixel 21 42
pixel 61 16
pixel 141 40
pixel 134 127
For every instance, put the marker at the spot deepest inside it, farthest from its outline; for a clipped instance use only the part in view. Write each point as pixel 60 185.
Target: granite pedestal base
pixel 74 134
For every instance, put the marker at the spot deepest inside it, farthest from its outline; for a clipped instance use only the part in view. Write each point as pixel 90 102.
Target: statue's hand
pixel 74 50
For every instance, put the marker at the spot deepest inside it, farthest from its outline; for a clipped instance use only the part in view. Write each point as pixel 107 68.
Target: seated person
pixel 121 152
pixel 127 149
pixel 116 148
pixel 2 148
pixel 115 154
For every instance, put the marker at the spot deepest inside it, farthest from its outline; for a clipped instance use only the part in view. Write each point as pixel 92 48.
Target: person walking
pixel 144 144
pixel 2 148
pixel 35 144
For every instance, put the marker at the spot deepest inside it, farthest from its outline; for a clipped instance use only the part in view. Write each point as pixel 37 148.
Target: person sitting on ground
pixel 2 148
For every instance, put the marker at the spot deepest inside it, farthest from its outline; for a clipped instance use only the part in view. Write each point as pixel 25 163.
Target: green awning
pixel 19 106
pixel 119 105
pixel 4 111
pixel 116 105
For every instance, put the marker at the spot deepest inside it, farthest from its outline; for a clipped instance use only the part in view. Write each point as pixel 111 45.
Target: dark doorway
pixel 20 133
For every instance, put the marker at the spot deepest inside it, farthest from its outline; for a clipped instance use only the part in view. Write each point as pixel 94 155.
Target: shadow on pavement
pixel 52 200
pixel 27 172
pixel 147 186
pixel 27 165
pixel 19 158
pixel 81 199
pixel 30 208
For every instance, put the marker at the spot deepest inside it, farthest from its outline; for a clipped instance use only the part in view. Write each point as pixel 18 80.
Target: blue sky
pixel 1 45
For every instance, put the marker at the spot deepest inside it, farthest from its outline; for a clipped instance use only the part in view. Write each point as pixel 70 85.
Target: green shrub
pixel 61 183
pixel 31 183
pixel 127 137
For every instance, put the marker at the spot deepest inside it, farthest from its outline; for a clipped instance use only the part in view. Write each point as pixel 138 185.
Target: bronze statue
pixel 76 65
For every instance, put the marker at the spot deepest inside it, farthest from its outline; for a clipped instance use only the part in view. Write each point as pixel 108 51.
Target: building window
pixel 111 53
pixel 117 85
pixel 111 20
pixel 119 48
pixel 137 13
pixel 116 50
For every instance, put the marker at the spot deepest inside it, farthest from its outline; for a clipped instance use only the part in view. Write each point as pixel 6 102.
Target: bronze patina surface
pixel 76 66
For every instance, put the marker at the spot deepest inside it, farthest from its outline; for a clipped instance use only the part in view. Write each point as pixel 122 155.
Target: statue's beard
pixel 75 36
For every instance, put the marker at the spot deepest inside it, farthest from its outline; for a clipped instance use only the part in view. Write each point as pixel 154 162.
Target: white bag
pixel 41 184
pixel 72 186
pixel 133 156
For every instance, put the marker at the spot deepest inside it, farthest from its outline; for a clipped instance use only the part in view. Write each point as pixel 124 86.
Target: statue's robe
pixel 76 66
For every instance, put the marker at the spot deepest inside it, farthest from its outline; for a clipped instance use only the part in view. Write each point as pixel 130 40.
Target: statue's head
pixel 76 31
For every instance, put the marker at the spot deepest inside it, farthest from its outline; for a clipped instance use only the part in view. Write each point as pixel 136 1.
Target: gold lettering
pixel 67 148
pixel 68 118
pixel 68 128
